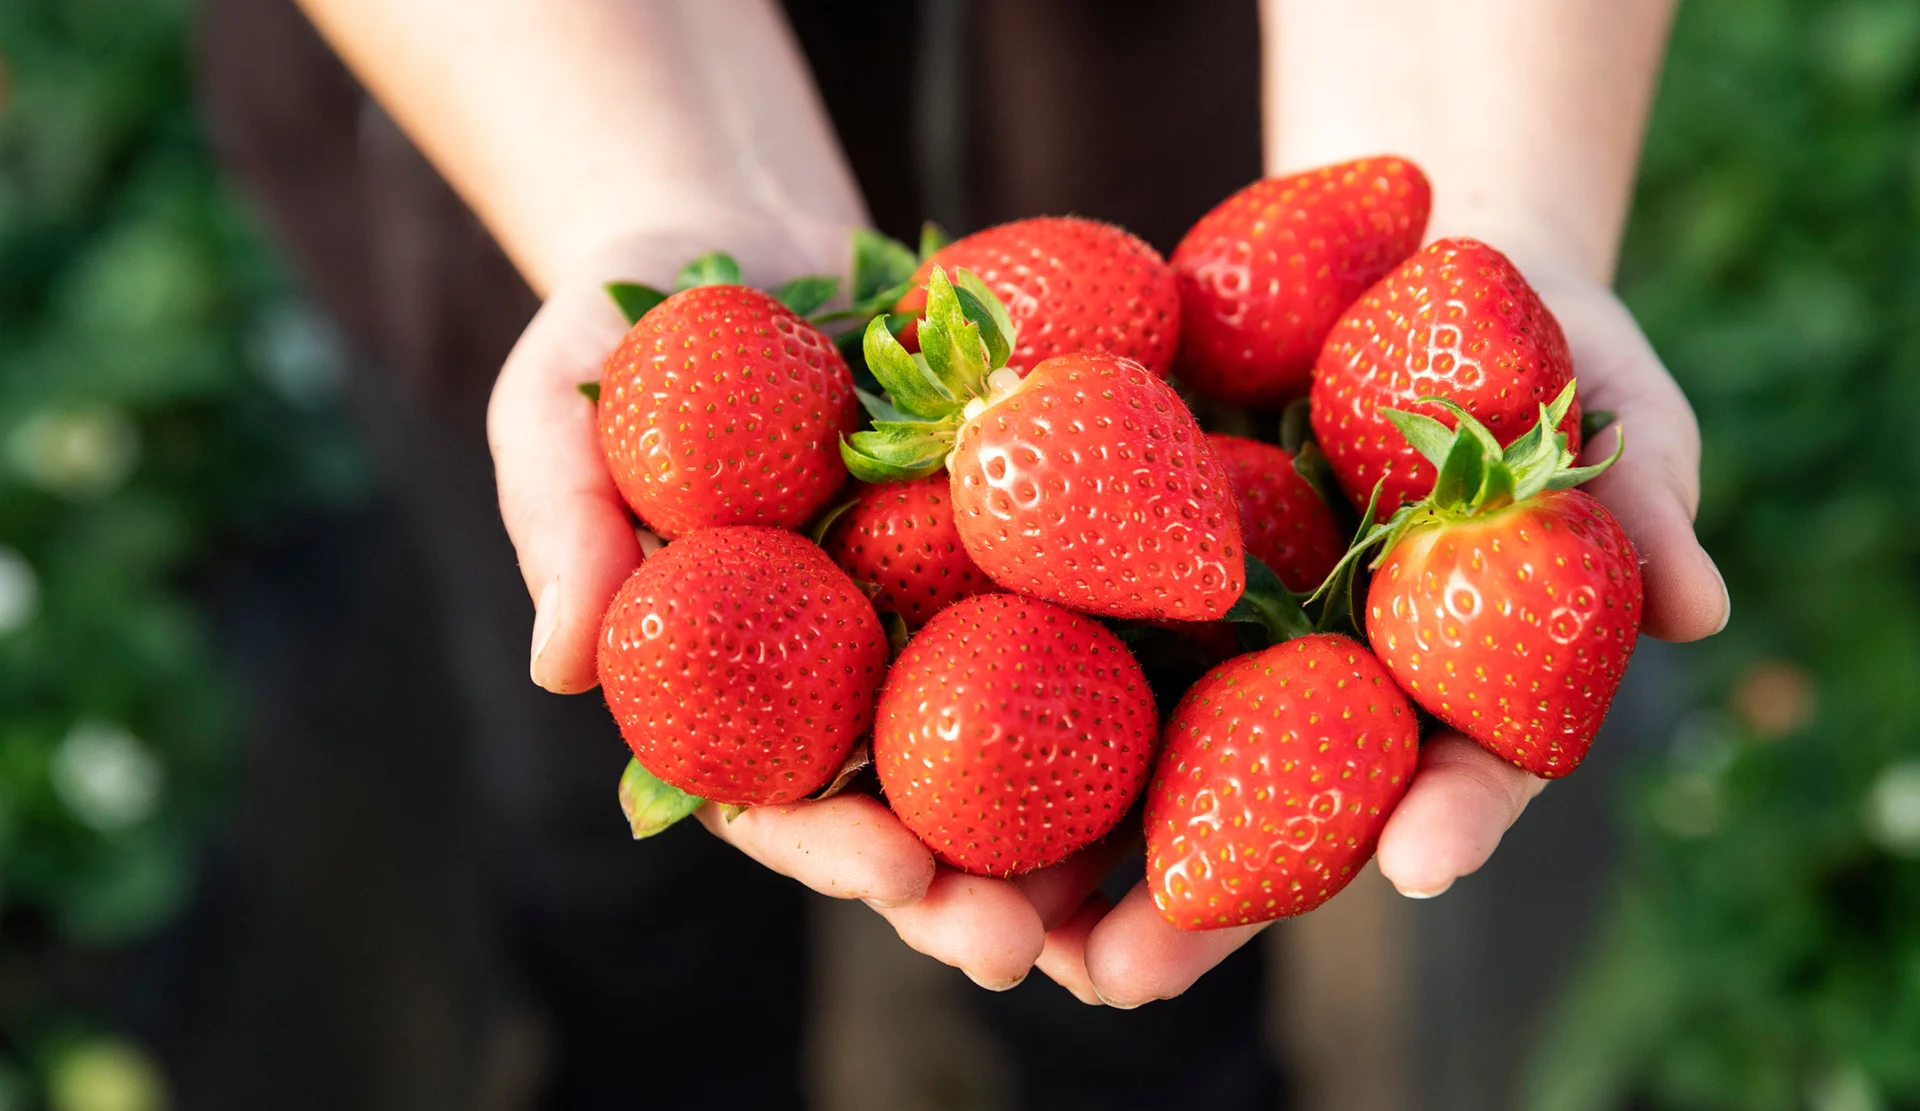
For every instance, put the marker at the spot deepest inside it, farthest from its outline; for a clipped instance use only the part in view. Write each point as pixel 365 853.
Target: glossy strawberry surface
pixel 900 537
pixel 1513 627
pixel 720 407
pixel 1265 275
pixel 1012 733
pixel 1092 486
pixel 1070 285
pixel 1458 321
pixel 1275 777
pixel 742 665
pixel 1282 521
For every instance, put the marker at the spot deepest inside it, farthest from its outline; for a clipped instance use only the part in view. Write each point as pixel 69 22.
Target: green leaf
pixel 1296 425
pixel 897 634
pixel 1562 405
pixel 880 265
pixel 1496 486
pixel 635 300
pixel 1460 473
pixel 1311 464
pixel 1428 436
pixel 651 804
pixel 932 238
pixel 1595 421
pixel 985 309
pixel 712 268
pixel 803 295
pixel 1466 421
pixel 823 524
pixel 590 391
pixel 1339 593
pixel 895 451
pixel 912 387
pixel 1574 476
pixel 951 342
pixel 877 407
pixel 1268 603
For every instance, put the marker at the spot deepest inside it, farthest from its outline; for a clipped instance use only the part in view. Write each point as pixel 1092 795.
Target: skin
pixel 609 139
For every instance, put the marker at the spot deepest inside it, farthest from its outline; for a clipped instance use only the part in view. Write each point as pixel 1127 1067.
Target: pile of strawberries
pixel 1050 589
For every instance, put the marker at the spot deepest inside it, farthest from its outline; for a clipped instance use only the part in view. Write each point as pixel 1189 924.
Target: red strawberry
pixel 720 407
pixel 1506 603
pixel 1513 627
pixel 1091 485
pixel 1086 483
pixel 1265 274
pixel 1070 285
pixel 1012 733
pixel 900 536
pixel 1457 321
pixel 1282 520
pixel 742 665
pixel 1278 771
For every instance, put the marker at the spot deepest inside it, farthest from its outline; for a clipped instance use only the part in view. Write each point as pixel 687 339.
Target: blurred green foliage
pixel 1766 949
pixel 161 398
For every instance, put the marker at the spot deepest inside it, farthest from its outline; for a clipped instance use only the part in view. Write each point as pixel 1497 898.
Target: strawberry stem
pixel 650 803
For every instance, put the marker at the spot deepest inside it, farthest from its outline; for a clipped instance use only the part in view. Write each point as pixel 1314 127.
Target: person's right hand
pixel 577 543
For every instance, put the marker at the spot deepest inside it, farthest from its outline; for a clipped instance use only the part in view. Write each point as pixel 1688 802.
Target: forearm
pixel 1527 114
pixel 571 126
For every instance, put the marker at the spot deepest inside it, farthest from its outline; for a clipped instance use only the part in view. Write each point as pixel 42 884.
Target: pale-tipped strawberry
pixel 900 537
pixel 1265 275
pixel 1456 321
pixel 1506 603
pixel 742 665
pixel 1086 482
pixel 1277 772
pixel 1012 733
pixel 1283 522
pixel 721 407
pixel 1070 285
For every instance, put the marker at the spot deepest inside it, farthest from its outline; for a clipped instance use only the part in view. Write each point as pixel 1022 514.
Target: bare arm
pixel 571 126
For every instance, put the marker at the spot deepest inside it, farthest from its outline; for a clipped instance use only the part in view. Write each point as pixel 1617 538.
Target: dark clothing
pixel 673 971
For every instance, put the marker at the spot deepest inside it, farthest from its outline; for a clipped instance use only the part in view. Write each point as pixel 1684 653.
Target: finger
pixel 1134 956
pixel 984 927
pixel 848 847
pixel 1057 892
pixel 567 522
pixel 1462 800
pixel 1064 960
pixel 1654 490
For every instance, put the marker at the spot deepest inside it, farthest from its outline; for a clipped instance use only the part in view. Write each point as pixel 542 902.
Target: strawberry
pixel 1086 483
pixel 900 537
pixel 1265 275
pixel 1070 285
pixel 721 407
pixel 1457 321
pixel 1277 773
pixel 1282 520
pixel 1012 733
pixel 742 665
pixel 1506 603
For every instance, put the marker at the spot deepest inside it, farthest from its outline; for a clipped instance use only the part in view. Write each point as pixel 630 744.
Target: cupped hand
pixel 577 543
pixel 1463 798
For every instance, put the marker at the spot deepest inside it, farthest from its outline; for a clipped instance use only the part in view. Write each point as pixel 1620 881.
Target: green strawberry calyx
pixel 1476 476
pixel 650 803
pixel 959 372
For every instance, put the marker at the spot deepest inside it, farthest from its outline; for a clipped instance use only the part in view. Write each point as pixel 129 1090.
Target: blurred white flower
pixel 75 452
pixel 1893 809
pixel 298 351
pixel 19 591
pixel 107 777
pixel 106 1074
pixel 1844 1089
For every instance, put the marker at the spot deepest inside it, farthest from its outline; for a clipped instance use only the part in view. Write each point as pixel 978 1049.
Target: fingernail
pixel 649 542
pixel 889 904
pixel 1116 1006
pixel 546 620
pixel 1091 1000
pixel 998 985
pixel 1420 893
pixel 1726 598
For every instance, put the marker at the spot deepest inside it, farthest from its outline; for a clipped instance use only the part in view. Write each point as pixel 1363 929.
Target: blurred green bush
pixel 162 397
pixel 1766 949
